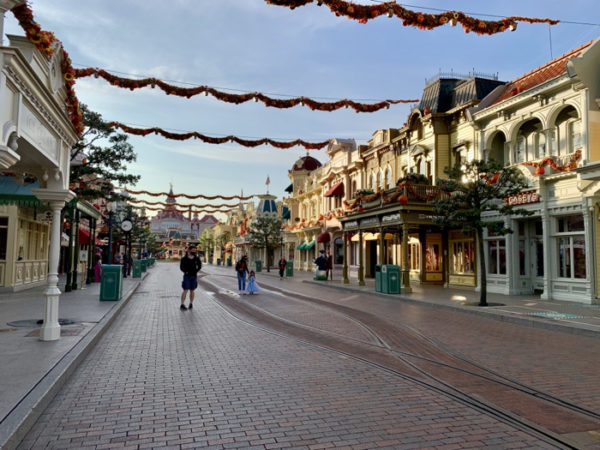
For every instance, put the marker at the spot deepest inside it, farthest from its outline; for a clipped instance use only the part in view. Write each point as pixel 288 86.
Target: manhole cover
pixel 34 323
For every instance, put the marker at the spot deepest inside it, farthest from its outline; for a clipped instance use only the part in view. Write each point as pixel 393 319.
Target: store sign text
pixel 522 198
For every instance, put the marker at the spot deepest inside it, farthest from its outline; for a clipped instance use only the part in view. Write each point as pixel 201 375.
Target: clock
pixel 126 225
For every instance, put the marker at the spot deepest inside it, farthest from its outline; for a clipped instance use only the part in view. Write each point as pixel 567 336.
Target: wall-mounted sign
pixel 522 198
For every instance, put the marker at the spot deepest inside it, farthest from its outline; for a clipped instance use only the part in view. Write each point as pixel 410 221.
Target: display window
pixel 570 247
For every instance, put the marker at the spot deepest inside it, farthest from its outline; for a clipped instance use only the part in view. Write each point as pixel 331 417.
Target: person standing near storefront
pixel 190 265
pixel 282 264
pixel 241 269
pixel 329 265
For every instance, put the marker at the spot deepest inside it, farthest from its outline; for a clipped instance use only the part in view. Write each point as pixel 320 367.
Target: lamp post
pixel 110 206
pixel 281 253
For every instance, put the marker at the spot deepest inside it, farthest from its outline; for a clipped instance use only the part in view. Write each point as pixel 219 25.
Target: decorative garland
pixel 399 195
pixel 207 205
pixel 219 140
pixel 45 42
pixel 208 211
pixel 423 21
pixel 169 89
pixel 549 161
pixel 318 221
pixel 191 197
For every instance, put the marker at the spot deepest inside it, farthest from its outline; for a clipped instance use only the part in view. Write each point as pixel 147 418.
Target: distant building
pixel 174 231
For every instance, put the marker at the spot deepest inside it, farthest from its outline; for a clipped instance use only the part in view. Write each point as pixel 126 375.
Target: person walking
pixel 329 265
pixel 252 286
pixel 190 265
pixel 241 267
pixel 282 264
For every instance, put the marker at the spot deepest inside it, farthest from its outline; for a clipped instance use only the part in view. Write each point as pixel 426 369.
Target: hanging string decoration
pixel 423 21
pixel 194 211
pixel 179 205
pixel 219 140
pixel 169 89
pixel 191 197
pixel 549 161
pixel 47 43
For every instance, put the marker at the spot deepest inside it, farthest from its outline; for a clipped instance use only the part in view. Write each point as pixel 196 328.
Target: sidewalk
pixel 530 310
pixel 32 371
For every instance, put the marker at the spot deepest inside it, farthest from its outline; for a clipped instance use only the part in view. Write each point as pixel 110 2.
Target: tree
pixel 474 191
pixel 207 242
pixel 265 233
pixel 99 159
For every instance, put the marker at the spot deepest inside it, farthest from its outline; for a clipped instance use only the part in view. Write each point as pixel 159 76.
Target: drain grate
pixel 34 323
pixel 63 332
pixel 555 315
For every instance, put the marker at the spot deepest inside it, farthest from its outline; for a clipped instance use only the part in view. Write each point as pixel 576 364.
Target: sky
pixel 248 45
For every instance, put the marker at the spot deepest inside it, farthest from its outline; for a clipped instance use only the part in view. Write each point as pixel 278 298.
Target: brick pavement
pixel 163 378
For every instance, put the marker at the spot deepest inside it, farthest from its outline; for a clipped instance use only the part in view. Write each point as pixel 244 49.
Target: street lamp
pixel 110 206
pixel 281 255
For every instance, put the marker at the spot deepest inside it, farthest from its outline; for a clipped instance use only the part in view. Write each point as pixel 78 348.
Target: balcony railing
pixel 403 195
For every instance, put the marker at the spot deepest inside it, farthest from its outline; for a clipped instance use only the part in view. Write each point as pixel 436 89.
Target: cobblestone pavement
pixel 165 378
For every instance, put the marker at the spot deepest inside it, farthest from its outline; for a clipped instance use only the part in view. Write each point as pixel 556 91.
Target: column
pixel 589 245
pixel 381 246
pixel 512 257
pixel 69 268
pixel 361 268
pixel 91 252
pixel 548 265
pixel 75 250
pixel 50 330
pixel 405 267
pixel 345 278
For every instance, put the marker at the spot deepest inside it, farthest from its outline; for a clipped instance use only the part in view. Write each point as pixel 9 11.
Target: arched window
pixel 566 135
pixel 372 182
pixel 379 181
pixel 531 141
pixel 388 179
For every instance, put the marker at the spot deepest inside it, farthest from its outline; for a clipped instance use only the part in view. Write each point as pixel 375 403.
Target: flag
pixel 268 180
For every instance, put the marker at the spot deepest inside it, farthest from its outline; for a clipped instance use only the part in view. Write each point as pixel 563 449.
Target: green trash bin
pixel 218 261
pixel 143 264
pixel 111 282
pixel 229 262
pixel 390 280
pixel 258 263
pixel 289 268
pixel 378 279
pixel 137 268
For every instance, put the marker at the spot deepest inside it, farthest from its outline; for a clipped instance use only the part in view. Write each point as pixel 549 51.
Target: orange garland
pixel 358 201
pixel 169 89
pixel 549 161
pixel 44 41
pixel 423 21
pixel 219 140
pixel 191 197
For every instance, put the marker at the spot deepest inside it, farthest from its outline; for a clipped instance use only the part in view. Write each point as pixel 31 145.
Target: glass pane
pixel 539 256
pixel 552 147
pixel 541 145
pixel 3 221
pixel 432 262
pixel 575 135
pixel 493 257
pixel 521 149
pixel 564 257
pixel 522 265
pixel 502 257
pixel 579 257
pixel 3 237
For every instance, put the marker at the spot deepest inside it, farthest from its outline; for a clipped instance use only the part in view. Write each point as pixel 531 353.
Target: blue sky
pixel 251 46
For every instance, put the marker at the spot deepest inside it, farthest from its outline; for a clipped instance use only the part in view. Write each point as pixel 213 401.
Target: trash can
pixel 258 263
pixel 378 278
pixel 228 262
pixel 111 282
pixel 143 264
pixel 137 268
pixel 218 261
pixel 289 268
pixel 390 279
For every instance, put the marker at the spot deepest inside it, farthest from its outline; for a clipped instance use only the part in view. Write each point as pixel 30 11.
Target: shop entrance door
pixel 531 257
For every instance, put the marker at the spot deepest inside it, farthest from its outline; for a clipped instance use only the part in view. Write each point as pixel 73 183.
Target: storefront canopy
pixel 309 245
pixel 372 237
pixel 336 191
pixel 301 246
pixel 323 238
pixel 12 193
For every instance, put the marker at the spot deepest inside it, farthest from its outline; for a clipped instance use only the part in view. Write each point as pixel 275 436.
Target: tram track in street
pixel 561 422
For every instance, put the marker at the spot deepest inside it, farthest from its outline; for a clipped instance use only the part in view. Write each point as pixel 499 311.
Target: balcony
pixel 406 194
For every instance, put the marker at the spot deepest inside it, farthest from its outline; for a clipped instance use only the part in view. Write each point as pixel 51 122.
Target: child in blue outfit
pixel 252 286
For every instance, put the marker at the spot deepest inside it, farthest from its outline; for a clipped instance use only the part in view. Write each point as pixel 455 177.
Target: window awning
pixel 301 246
pixel 336 191
pixel 309 245
pixel 84 236
pixel 372 237
pixel 323 238
pixel 290 188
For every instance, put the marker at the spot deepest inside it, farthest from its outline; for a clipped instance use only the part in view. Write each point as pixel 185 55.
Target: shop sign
pixel 353 224
pixel 522 198
pixel 369 221
pixel 391 218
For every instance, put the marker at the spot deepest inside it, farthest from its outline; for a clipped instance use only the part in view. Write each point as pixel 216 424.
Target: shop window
pixel 496 256
pixel 414 255
pixel 570 246
pixel 432 258
pixel 463 257
pixel 3 237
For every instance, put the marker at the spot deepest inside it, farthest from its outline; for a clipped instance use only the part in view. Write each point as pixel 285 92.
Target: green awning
pixel 12 193
pixel 309 245
pixel 290 188
pixel 301 246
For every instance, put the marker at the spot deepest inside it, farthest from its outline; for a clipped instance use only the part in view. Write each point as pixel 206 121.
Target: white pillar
pixel 51 329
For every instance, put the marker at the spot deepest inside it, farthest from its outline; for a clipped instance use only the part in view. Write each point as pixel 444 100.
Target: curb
pixel 488 312
pixel 19 421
